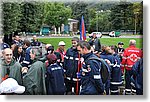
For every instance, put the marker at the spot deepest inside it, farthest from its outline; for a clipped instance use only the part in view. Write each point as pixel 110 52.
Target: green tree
pixel 31 17
pixel 138 15
pixel 125 15
pixel 56 14
pixel 11 17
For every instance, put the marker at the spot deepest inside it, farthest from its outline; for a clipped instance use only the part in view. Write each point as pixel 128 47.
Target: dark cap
pixel 75 39
pixel 51 58
pixel 50 49
pixel 120 43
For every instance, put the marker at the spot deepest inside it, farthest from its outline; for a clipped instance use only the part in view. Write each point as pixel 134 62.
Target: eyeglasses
pixel 78 50
pixel 74 43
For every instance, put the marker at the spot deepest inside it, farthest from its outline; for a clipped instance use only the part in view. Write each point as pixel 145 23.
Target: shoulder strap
pixel 104 69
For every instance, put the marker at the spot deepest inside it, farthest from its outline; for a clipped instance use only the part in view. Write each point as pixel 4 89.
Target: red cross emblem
pixel 133 57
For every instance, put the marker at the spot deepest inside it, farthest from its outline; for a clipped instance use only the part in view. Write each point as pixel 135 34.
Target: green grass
pixel 55 41
pixel 104 41
pixel 114 41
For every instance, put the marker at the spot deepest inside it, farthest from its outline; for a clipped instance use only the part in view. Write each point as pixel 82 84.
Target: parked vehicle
pixel 98 34
pixel 114 34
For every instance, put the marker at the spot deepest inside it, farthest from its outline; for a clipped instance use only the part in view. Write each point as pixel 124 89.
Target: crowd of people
pixel 78 70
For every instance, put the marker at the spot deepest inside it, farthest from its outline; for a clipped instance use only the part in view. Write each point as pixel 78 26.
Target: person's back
pixel 110 59
pixel 137 75
pixel 34 80
pixel 55 80
pixel 130 56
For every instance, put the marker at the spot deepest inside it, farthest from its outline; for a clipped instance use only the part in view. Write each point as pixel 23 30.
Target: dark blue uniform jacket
pixel 91 79
pixel 55 80
pixel 71 62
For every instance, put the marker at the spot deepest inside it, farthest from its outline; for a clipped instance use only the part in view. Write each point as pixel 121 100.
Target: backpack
pixel 104 69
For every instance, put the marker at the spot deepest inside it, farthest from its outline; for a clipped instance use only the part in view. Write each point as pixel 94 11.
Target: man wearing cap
pixel 61 49
pixel 9 67
pixel 120 50
pixel 3 45
pixel 130 56
pixel 71 65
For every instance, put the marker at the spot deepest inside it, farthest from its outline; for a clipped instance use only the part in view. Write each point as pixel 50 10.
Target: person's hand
pixel 93 39
pixel 78 75
pixel 24 70
pixel 107 61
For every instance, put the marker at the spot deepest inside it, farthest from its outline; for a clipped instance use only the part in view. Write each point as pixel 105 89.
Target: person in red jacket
pixel 130 56
pixel 61 49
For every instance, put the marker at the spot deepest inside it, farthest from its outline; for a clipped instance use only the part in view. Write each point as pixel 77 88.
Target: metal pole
pixel 97 21
pixel 135 24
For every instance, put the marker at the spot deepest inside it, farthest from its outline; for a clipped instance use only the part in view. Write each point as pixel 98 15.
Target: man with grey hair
pixel 130 56
pixel 34 76
pixel 132 42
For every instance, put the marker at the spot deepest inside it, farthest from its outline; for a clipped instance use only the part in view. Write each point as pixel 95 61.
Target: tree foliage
pixel 11 17
pixel 31 16
pixel 56 14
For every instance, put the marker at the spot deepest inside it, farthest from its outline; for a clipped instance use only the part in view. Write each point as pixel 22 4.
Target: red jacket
pixel 130 56
pixel 62 53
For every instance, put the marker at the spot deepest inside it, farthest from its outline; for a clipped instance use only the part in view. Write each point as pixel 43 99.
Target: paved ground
pixel 123 36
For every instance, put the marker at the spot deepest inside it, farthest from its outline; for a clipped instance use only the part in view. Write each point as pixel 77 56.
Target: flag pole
pixel 77 84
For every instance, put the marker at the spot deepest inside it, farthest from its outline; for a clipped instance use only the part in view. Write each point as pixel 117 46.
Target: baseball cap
pixel 120 43
pixel 61 43
pixel 10 85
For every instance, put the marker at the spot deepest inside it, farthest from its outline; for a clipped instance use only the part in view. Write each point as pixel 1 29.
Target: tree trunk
pixel 10 39
pixel 6 40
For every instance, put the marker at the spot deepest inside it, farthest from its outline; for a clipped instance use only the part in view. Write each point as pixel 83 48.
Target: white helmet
pixel 61 43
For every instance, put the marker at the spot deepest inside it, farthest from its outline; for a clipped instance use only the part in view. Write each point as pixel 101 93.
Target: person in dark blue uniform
pixel 36 46
pixel 120 50
pixel 137 76
pixel 27 49
pixel 71 61
pixel 95 42
pixel 91 82
pixel 109 58
pixel 3 45
pixel 17 40
pixel 116 73
pixel 55 77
